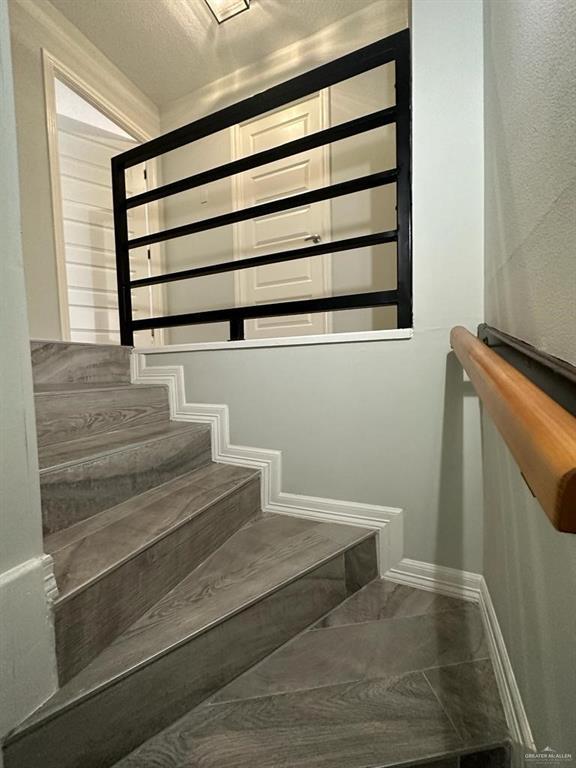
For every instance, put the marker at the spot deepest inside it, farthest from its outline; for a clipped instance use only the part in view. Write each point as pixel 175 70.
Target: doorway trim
pixel 54 69
pixel 237 203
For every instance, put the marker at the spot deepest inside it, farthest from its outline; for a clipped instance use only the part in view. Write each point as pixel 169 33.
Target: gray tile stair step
pixel 72 362
pixel 80 478
pixel 268 582
pixel 395 721
pixel 115 565
pixel 68 412
pixel 394 676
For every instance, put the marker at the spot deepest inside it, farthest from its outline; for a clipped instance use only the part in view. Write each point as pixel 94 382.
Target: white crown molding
pixel 41 24
pixel 473 587
pixel 387 521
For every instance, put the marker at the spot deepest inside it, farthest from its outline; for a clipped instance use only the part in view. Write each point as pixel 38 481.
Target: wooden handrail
pixel 540 434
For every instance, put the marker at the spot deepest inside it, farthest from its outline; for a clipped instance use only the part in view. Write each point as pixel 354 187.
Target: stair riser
pixel 73 493
pixel 72 415
pixel 100 730
pixel 90 620
pixel 60 362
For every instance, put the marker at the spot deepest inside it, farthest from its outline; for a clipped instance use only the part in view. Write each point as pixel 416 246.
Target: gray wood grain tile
pixel 497 757
pixel 70 414
pixel 384 599
pixel 447 762
pixel 137 459
pixel 257 560
pixel 361 565
pixel 62 362
pixel 354 725
pixel 93 731
pixel 469 695
pixel 87 551
pixel 91 447
pixel 361 651
pixel 87 621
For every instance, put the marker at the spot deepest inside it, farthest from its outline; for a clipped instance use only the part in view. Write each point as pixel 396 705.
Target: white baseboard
pixel 472 586
pixel 437 578
pixel 387 521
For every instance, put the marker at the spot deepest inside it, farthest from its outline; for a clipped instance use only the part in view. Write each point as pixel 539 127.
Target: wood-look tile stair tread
pixel 397 720
pixel 255 562
pixel 93 547
pixel 85 449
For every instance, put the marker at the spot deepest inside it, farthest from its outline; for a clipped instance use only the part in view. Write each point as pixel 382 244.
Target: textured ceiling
pixel 169 48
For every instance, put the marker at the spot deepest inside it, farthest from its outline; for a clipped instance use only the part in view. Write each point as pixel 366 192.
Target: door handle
pixel 314 238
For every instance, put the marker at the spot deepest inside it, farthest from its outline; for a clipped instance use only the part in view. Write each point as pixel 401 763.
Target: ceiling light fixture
pixel 222 10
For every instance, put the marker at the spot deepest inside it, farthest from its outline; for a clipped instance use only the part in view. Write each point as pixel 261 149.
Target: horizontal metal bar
pixel 350 243
pixel 306 143
pixel 265 209
pixel 278 309
pixel 352 64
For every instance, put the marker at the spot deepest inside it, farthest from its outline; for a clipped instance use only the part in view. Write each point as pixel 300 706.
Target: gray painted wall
pixel 391 422
pixel 530 112
pixel 27 661
pixel 530 57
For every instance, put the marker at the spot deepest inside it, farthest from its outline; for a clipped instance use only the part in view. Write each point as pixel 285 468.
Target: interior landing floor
pixel 392 676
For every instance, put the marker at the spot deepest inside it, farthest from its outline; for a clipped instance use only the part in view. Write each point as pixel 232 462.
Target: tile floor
pixel 393 676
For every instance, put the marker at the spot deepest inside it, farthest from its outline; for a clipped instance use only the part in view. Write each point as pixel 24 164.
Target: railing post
pixel 237 328
pixel 403 197
pixel 122 251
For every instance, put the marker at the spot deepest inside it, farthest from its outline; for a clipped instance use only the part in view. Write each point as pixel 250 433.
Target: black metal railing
pixel 395 48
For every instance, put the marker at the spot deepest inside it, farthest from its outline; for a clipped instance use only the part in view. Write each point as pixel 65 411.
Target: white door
pixel 84 157
pixel 294 228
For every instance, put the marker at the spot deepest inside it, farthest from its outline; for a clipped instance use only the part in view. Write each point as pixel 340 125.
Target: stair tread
pixel 58 455
pixel 393 676
pixel 254 562
pixel 91 548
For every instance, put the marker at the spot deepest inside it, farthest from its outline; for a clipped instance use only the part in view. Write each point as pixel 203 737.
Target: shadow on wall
pixel 450 547
pixel 450 531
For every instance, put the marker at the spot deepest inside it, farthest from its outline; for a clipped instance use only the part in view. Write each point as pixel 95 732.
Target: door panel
pixel 86 186
pixel 302 278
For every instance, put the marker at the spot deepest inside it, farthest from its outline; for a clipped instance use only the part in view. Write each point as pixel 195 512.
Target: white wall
pixel 35 25
pixel 391 422
pixel 530 112
pixel 70 104
pixel 27 660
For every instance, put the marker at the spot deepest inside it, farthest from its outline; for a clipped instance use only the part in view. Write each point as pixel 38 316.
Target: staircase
pixel 175 592
pixel 171 581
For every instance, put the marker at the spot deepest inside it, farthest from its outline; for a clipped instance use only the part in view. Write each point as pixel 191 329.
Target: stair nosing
pixel 113 681
pixel 191 426
pixel 61 599
pixel 93 387
pixel 66 343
